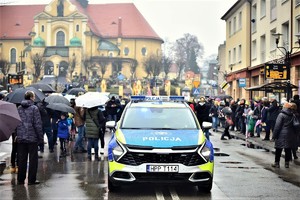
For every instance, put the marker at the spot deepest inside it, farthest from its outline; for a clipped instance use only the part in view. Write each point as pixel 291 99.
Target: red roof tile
pixel 103 20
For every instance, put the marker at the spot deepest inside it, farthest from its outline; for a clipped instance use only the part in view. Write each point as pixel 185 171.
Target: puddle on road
pixel 221 154
pixel 253 146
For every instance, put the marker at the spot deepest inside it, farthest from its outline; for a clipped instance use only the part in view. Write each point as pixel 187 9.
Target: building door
pixel 63 69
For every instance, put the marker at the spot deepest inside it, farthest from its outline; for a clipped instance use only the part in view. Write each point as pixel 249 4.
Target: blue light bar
pixel 157 98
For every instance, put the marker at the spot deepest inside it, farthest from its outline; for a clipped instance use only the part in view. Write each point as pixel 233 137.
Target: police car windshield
pixel 158 118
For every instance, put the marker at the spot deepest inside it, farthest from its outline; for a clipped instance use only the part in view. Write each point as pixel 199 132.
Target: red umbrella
pixel 9 119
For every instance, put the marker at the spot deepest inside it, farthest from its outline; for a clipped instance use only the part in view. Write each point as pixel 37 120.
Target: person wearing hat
pixel 202 113
pixel 63 133
pixel 273 112
pixel 284 135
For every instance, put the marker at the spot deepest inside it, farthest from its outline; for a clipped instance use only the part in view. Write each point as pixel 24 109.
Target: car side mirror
pixel 110 124
pixel 207 125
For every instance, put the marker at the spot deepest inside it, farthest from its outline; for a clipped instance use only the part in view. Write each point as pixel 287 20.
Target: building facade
pixel 261 20
pixel 73 38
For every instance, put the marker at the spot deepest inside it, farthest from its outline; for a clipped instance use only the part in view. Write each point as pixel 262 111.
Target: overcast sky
pixel 173 18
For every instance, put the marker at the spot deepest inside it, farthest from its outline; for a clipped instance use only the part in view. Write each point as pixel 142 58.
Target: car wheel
pixel 112 187
pixel 205 188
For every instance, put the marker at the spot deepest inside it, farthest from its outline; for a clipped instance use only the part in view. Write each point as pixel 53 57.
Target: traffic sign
pixel 196 83
pixel 224 86
pixel 196 91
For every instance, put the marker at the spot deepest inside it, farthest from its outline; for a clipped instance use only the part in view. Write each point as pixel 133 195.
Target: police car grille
pixel 188 159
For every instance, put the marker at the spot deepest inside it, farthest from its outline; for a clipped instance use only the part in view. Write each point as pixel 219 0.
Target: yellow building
pixel 73 38
pixel 251 45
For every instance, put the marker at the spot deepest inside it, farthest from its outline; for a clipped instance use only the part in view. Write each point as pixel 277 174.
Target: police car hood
pixel 162 138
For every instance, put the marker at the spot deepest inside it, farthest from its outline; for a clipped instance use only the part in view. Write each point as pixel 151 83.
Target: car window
pixel 159 118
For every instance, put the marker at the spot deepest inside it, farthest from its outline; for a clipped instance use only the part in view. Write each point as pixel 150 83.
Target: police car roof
pixel 158 105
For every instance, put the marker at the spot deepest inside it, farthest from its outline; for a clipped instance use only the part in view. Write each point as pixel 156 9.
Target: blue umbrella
pixel 121 77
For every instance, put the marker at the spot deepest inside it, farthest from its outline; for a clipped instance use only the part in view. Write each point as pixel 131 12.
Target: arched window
pixel 13 56
pixel 111 54
pixel 144 51
pixel 43 28
pixel 77 28
pixel 126 51
pixel 60 39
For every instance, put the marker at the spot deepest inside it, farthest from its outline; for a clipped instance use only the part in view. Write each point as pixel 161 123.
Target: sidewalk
pixel 255 141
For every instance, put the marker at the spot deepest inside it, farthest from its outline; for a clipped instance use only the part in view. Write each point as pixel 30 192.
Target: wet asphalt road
pixel 241 172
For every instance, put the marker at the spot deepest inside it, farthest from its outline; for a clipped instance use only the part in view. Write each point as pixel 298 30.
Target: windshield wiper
pixel 163 128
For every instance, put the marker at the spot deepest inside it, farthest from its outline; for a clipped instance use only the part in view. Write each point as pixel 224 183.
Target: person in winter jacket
pixel 46 120
pixel 284 135
pixel 202 112
pixel 29 135
pixel 63 133
pixel 79 119
pixel 93 128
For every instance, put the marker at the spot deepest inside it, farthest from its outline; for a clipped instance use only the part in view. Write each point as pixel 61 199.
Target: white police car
pixel 158 139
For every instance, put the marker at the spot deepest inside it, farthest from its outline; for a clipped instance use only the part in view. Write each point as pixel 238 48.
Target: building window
pixel 240 20
pixel 43 28
pixel 229 57
pixel 234 55
pixel 229 28
pixel 263 48
pixel 253 20
pixel 126 51
pixel 273 14
pixel 272 40
pixel 285 36
pixel 13 56
pixel 262 8
pixel 111 54
pixel 254 50
pixel 240 54
pixel 144 51
pixel 60 39
pixel 77 28
pixel 234 24
pixel 298 25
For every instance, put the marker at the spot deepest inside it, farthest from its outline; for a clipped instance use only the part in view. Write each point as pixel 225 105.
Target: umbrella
pixel 17 96
pixel 56 98
pixel 9 119
pixel 121 77
pixel 75 91
pixel 227 110
pixel 91 99
pixel 61 107
pixel 43 86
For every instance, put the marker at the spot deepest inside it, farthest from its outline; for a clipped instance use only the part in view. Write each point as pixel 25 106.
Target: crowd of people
pixel 60 129
pixel 251 117
pixel 248 117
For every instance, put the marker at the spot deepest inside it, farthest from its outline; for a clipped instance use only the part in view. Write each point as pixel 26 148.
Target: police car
pixel 158 139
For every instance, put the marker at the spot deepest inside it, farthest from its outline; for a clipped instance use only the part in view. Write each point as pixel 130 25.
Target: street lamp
pixel 287 60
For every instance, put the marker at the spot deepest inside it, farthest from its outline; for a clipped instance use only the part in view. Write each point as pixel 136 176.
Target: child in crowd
pixel 250 124
pixel 71 126
pixel 63 133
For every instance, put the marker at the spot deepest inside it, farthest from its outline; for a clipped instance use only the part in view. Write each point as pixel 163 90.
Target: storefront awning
pixel 274 87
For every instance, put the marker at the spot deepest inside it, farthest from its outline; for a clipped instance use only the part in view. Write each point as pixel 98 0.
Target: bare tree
pixel 153 65
pixel 72 65
pixel 38 62
pixel 103 67
pixel 187 50
pixel 166 63
pixel 5 67
pixel 133 66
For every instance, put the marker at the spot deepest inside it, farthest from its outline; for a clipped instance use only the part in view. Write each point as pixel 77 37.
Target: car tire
pixel 205 188
pixel 112 187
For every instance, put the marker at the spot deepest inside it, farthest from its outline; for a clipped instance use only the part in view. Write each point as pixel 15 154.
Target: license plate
pixel 162 168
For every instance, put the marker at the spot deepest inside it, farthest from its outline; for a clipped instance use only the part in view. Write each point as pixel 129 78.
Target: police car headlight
pixel 205 152
pixel 118 152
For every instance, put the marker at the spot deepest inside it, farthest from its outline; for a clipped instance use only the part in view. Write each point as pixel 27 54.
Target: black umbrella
pixel 227 110
pixel 9 119
pixel 17 96
pixel 43 86
pixel 61 107
pixel 75 91
pixel 57 99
